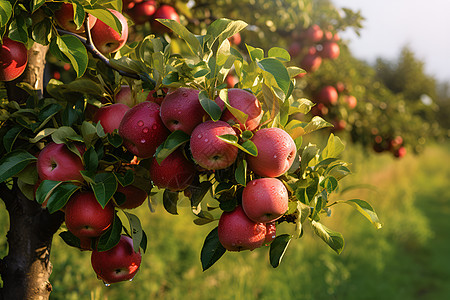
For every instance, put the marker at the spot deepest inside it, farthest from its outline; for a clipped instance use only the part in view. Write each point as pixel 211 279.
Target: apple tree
pixel 152 120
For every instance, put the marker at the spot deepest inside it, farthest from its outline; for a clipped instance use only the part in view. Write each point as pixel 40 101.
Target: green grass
pixel 406 259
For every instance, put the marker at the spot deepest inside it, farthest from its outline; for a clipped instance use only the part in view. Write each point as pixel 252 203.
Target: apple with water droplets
pixel 271 233
pixel 237 232
pixel 276 152
pixel 209 151
pixel 175 172
pixel 117 264
pixel 110 116
pixel 181 110
pixel 265 199
pixel 142 129
pixel 85 217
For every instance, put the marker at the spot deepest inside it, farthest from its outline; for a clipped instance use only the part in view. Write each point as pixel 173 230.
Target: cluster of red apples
pixel 313 45
pixel 265 198
pixel 144 11
pixel 389 144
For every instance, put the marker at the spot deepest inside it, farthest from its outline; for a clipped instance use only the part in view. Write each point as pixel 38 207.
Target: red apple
pixel 339 125
pixel 247 103
pixel 330 50
pixel 396 142
pixel 328 95
pixel 134 196
pixel 129 4
pixel 110 116
pixel 120 263
pixel 13 59
pixel 181 110
pixel 157 96
pixel 265 200
pixel 311 62
pixel 64 19
pixel 271 233
pixel 175 172
pixel 143 11
pixel 125 96
pixel 340 87
pixel 235 39
pixel 276 152
pixel 164 12
pixel 294 49
pixel 400 152
pixel 231 80
pixel 351 101
pixel 237 232
pixel 142 129
pixel 314 34
pixel 319 110
pixel 208 150
pixel 57 162
pixel 85 217
pixel 106 39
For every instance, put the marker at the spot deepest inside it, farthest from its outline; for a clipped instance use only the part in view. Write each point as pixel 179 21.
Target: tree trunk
pixel 26 269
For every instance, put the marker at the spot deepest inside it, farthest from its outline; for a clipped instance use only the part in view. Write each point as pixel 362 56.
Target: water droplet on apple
pixel 199 136
pixel 145 130
pixel 154 127
pixel 206 140
pixel 140 123
pixel 143 141
pixel 275 156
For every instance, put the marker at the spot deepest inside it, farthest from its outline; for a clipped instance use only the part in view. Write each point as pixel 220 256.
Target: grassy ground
pixel 407 259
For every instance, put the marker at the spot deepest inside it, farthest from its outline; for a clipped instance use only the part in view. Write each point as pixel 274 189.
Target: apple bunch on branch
pixel 235 153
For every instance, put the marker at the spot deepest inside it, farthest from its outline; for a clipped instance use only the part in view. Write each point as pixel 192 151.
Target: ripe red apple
pixel 13 59
pixel 175 172
pixel 181 110
pixel 235 39
pixel 120 263
pixel 157 96
pixel 339 125
pixel 64 19
pixel 340 86
pixel 328 95
pixel 125 96
pixel 57 162
pixel 237 232
pixel 271 233
pixel 294 49
pixel 208 150
pixel 129 4
pixel 85 217
pixel 231 80
pixel 330 50
pixel 142 12
pixel 319 110
pixel 400 152
pixel 134 196
pixel 106 39
pixel 164 12
pixel 265 199
pixel 110 116
pixel 142 129
pixel 311 62
pixel 245 102
pixel 314 34
pixel 396 142
pixel 276 152
pixel 351 101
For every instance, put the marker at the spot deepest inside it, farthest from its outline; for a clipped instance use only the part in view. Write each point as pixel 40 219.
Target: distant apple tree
pixel 151 120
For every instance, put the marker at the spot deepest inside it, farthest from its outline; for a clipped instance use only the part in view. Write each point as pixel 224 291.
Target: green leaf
pixel 135 229
pixel 115 140
pixel 334 239
pixel 190 39
pixel 18 29
pixel 104 187
pixel 330 184
pixel 65 134
pixel 308 154
pixel 106 17
pixel 88 132
pixel 222 29
pixel 59 196
pixel 90 159
pixel 5 12
pixel 241 172
pixel 14 162
pixel 255 53
pixel 173 141
pixel 125 179
pixel 279 53
pixel 248 146
pixel 170 200
pixel 198 192
pixel 11 136
pixel 278 248
pixel 212 249
pixel 334 147
pixel 111 237
pixel 278 70
pixel 270 101
pixel 78 14
pixel 240 116
pixel 316 123
pixel 127 64
pixel 70 239
pixel 210 106
pixel 75 51
pixel 366 210
pixel 302 105
pixel 36 4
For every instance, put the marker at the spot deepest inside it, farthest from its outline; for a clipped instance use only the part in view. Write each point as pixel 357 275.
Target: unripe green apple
pixel 276 152
pixel 120 263
pixel 265 199
pixel 208 150
pixel 85 217
pixel 237 232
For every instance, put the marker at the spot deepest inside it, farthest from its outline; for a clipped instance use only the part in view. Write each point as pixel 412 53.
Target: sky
pixel 423 26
